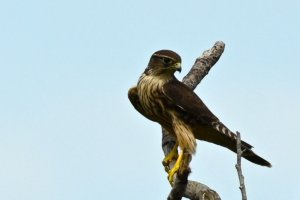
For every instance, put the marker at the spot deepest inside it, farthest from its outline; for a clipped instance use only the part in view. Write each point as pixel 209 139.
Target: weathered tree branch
pixel 238 166
pixel 182 187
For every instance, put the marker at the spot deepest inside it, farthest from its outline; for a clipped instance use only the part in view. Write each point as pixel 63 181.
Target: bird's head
pixel 164 62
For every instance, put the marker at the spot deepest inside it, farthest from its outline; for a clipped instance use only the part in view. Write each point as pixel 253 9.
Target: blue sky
pixel 68 131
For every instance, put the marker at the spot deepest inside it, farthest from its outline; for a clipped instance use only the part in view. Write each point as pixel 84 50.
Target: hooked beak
pixel 177 66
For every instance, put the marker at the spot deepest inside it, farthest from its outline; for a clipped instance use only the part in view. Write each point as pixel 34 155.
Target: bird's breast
pixel 151 97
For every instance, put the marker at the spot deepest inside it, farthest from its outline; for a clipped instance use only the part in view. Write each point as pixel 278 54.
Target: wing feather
pixel 206 126
pixel 187 101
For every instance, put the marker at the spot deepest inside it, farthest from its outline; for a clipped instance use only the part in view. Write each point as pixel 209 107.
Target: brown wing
pixel 206 126
pixel 187 102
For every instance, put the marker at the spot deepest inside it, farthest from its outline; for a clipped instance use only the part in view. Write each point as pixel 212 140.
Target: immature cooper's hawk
pixel 160 97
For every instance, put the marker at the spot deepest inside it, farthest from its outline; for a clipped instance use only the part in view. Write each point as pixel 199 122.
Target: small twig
pixel 238 166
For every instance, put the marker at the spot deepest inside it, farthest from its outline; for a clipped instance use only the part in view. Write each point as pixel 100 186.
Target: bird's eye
pixel 167 60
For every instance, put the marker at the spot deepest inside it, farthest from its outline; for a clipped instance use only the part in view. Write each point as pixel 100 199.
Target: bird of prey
pixel 160 97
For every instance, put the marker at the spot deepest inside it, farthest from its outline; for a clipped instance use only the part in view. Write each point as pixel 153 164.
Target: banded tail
pixel 219 134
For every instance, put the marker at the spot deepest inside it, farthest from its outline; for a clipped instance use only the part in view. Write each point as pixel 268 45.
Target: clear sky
pixel 68 131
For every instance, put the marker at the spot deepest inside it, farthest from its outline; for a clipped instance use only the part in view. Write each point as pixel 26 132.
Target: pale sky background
pixel 68 131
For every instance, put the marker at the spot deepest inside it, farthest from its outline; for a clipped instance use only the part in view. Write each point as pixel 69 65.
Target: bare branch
pixel 203 64
pixel 182 187
pixel 238 166
pixel 181 182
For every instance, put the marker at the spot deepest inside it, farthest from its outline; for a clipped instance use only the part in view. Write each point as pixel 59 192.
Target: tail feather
pixel 253 157
pixel 220 127
pixel 222 136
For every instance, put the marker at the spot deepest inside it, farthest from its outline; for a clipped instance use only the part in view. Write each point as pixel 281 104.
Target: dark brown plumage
pixel 160 97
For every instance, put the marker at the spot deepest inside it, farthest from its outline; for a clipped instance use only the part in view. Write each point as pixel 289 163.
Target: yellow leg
pixel 173 155
pixel 175 169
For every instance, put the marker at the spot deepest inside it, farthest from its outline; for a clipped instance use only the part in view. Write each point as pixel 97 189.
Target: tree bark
pixel 238 166
pixel 182 186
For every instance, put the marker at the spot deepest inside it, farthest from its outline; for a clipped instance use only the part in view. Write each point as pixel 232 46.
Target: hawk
pixel 161 98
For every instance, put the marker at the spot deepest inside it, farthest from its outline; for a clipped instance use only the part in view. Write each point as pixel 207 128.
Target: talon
pixel 167 168
pixel 173 155
pixel 175 169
